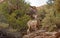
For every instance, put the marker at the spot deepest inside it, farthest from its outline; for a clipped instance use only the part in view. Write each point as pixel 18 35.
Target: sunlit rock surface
pixel 42 34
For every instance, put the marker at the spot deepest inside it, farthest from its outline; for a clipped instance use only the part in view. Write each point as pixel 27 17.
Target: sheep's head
pixel 35 16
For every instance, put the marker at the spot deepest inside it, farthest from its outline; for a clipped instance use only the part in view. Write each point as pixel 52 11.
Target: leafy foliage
pixel 48 21
pixel 15 13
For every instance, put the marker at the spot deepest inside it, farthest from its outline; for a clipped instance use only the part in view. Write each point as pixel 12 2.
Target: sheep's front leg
pixel 35 27
pixel 28 30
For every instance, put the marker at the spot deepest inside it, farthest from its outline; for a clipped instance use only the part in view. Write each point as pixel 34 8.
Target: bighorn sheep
pixel 33 24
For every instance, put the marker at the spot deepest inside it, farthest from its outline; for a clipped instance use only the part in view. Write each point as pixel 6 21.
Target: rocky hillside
pixel 41 7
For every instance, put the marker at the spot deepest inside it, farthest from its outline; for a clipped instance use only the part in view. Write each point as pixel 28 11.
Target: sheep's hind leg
pixel 28 31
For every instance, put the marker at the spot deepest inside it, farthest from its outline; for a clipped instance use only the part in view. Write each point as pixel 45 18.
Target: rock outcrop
pixel 41 34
